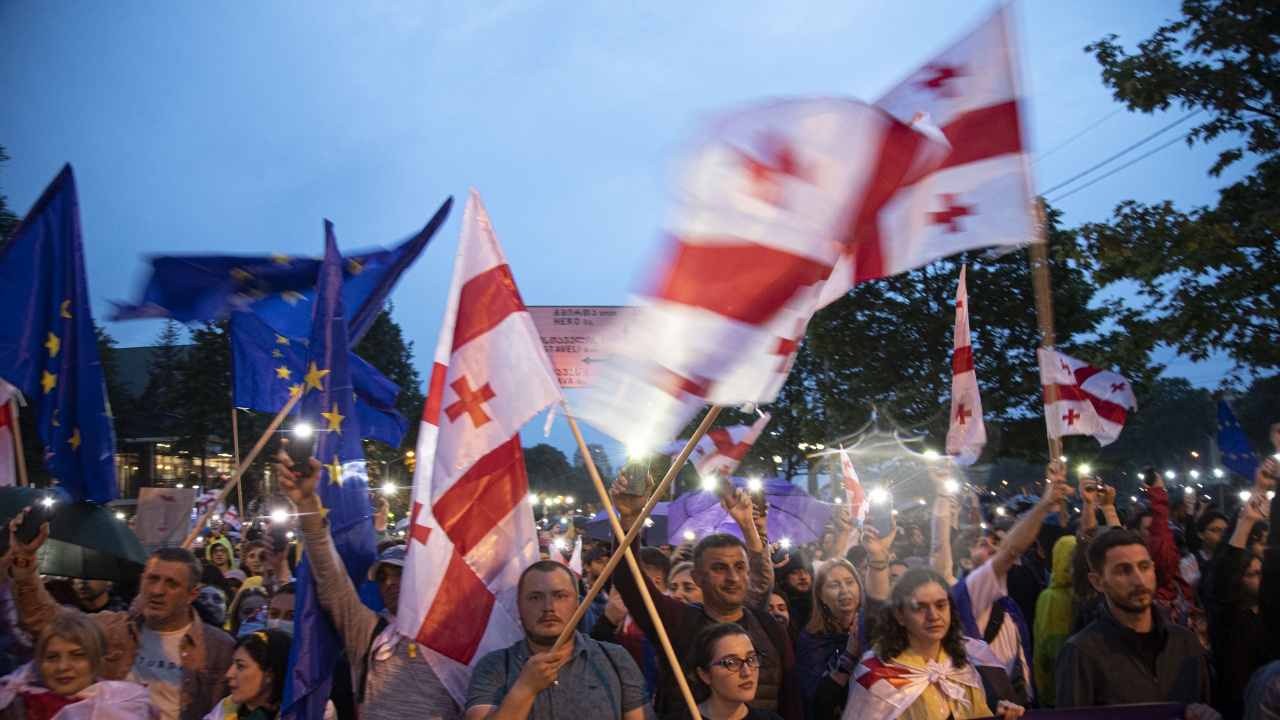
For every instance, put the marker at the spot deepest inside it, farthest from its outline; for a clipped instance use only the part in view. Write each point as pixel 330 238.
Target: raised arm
pixel 944 513
pixel 1023 534
pixel 669 609
pixel 36 607
pixel 878 561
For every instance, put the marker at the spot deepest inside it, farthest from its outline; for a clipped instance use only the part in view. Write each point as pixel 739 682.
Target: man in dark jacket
pixel 1130 654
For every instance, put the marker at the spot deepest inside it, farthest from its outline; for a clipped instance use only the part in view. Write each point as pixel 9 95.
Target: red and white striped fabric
pixel 721 450
pixel 1080 399
pixel 8 435
pixel 206 501
pixel 231 518
pixel 968 433
pixel 471 531
pixel 772 199
pixel 884 691
pixel 853 495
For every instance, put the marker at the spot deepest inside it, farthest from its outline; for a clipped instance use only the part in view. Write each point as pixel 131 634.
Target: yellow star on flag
pixel 312 378
pixel 283 372
pixel 324 511
pixel 354 267
pixel 49 381
pixel 54 345
pixel 277 353
pixel 74 440
pixel 63 311
pixel 292 297
pixel 282 340
pixel 335 471
pixel 282 259
pixel 53 419
pixel 295 390
pixel 240 274
pixel 335 420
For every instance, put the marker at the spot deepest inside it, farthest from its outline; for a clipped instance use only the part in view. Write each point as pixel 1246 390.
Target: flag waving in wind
pixel 968 433
pixel 1236 452
pixel 722 449
pixel 1080 399
pixel 328 404
pixel 48 349
pixel 471 531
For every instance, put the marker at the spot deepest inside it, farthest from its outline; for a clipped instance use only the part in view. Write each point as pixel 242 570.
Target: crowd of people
pixel 1069 603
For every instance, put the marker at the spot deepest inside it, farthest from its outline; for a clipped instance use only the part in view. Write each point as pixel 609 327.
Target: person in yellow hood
pixel 1054 610
pixel 220 553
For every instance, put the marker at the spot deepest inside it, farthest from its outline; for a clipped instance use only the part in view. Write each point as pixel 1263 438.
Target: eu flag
pixel 1237 454
pixel 267 368
pixel 47 344
pixel 278 288
pixel 329 405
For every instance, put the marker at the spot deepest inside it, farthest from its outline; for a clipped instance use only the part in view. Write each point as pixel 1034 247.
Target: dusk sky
pixel 237 127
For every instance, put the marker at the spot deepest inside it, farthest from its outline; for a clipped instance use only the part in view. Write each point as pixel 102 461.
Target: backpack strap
pixel 994 623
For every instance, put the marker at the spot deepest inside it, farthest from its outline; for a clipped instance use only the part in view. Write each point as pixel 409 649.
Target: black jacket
pixel 1107 663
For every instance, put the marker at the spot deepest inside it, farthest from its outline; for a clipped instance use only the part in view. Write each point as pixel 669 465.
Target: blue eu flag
pixel 47 344
pixel 329 405
pixel 1237 454
pixel 267 369
pixel 280 289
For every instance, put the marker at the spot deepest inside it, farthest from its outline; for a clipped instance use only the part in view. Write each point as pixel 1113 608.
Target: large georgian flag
pixel 1080 399
pixel 772 198
pixel 471 530
pixel 980 196
pixel 968 433
pixel 722 449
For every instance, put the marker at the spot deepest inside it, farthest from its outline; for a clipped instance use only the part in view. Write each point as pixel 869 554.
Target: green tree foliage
pixel 1257 410
pixel 201 402
pixel 8 220
pixel 385 348
pixel 1174 419
pixel 1206 277
pixel 162 381
pixel 550 471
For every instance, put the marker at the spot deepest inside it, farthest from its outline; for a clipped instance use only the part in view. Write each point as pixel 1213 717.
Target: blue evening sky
pixel 236 127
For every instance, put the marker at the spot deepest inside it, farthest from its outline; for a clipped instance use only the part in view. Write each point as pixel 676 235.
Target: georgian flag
pixel 722 449
pixel 231 518
pixel 968 433
pixel 884 690
pixel 471 530
pixel 1080 399
pixel 8 437
pixel 853 495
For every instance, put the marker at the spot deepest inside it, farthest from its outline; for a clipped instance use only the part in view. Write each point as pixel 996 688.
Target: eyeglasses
pixel 733 665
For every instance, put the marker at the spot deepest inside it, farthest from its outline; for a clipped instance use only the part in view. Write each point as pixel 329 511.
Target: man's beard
pixel 1132 602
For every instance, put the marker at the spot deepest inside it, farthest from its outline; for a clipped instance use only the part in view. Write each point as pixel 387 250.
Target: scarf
pixel 883 691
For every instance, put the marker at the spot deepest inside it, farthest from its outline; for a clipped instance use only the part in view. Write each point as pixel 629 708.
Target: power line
pixel 1144 156
pixel 1124 152
pixel 1078 135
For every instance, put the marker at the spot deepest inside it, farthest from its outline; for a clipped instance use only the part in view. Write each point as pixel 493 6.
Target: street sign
pixel 579 338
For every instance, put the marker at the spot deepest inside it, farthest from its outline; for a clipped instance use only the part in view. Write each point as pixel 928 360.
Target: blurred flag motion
pixel 48 348
pixel 722 449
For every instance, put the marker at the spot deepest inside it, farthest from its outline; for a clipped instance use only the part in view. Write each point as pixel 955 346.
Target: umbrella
pixel 793 514
pixel 654 533
pixel 85 540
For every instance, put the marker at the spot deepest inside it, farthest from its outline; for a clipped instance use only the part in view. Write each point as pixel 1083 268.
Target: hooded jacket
pixel 1054 612
pixel 231 553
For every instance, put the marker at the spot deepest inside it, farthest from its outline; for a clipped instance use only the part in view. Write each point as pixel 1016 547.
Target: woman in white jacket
pixel 61 683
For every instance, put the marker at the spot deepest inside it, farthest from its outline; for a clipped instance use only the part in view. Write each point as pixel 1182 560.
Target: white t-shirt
pixel 986 589
pixel 159 667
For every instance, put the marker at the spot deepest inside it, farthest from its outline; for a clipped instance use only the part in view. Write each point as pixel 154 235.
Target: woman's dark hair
pixel 700 655
pixel 269 649
pixel 891 639
pixel 233 612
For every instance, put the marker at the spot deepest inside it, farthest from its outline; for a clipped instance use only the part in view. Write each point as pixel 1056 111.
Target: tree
pixel 160 395
pixel 1206 277
pixel 1174 419
pixel 385 348
pixel 8 220
pixel 549 469
pixel 203 414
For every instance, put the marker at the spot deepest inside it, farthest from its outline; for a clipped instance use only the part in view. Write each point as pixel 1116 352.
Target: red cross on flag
pixel 1080 399
pixel 721 450
pixel 968 433
pixel 980 196
pixel 231 518
pixel 471 530
pixel 771 199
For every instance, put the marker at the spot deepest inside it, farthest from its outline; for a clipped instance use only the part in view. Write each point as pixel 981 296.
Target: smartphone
pixel 637 474
pixel 755 490
pixel 881 513
pixel 302 445
pixel 41 513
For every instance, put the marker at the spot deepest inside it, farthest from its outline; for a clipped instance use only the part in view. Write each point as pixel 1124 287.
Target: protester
pixel 256 678
pixel 735 578
pixel 834 638
pixel 280 609
pixel 255 554
pixel 794 579
pixel 585 678
pixel 1131 654
pixel 69 655
pixel 1172 591
pixel 247 609
pixel 220 553
pixel 918 668
pixel 97 596
pixel 390 672
pixel 779 608
pixel 722 668
pixel 162 645
pixel 680 584
pixel 1055 609
pixel 594 559
pixel 1209 529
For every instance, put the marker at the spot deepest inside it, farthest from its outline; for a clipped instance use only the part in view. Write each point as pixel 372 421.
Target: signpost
pixel 579 338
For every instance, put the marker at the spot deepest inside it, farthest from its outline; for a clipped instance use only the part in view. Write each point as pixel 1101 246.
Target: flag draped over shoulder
pixel 328 403
pixel 279 289
pixel 1080 399
pixel 968 433
pixel 772 198
pixel 471 532
pixel 1237 454
pixel 48 349
pixel 722 449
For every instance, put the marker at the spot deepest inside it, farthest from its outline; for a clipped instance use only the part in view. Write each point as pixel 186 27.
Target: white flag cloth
pixel 853 495
pixel 575 560
pixel 231 518
pixel 471 531
pixel 8 437
pixel 206 501
pixel 772 199
pixel 968 433
pixel 1080 399
pixel 884 691
pixel 721 450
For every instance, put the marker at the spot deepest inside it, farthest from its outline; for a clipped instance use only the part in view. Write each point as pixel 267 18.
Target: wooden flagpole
pixel 17 443
pixel 641 581
pixel 235 480
pixel 235 450
pixel 1044 299
pixel 639 525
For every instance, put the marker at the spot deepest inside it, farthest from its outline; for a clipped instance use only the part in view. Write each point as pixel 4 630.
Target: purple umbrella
pixel 793 514
pixel 655 532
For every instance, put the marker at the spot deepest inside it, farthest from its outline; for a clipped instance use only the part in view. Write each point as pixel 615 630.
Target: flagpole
pixel 1044 300
pixel 638 526
pixel 17 443
pixel 642 582
pixel 235 450
pixel 235 480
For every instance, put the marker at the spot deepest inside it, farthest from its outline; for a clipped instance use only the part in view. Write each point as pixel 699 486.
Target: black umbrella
pixel 85 540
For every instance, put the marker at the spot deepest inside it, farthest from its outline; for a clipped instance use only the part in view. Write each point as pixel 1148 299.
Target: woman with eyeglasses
pixel 918 668
pixel 723 670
